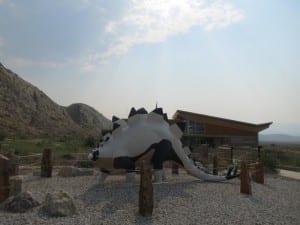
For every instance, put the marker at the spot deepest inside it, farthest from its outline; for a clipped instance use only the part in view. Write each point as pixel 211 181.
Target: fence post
pixel 4 178
pixel 46 167
pixel 146 190
pixel 13 164
pixel 215 165
pixel 15 185
pixel 245 187
pixel 175 169
pixel 259 172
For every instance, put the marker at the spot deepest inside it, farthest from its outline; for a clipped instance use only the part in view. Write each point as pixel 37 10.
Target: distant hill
pixel 279 138
pixel 25 110
pixel 88 118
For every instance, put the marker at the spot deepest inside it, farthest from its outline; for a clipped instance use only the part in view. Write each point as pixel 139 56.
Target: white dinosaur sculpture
pixel 143 132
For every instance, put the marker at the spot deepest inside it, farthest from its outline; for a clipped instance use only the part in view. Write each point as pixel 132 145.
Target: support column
pixel 215 165
pixel 231 155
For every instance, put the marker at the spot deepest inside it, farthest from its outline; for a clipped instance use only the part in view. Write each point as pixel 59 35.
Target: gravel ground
pixel 182 200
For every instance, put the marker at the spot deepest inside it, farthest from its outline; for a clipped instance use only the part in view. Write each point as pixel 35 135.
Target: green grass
pixel 31 146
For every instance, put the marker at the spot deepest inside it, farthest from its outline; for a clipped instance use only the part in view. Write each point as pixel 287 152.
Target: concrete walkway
pixel 290 174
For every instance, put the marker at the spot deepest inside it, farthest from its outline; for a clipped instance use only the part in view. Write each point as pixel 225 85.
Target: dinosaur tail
pixel 189 165
pixel 195 171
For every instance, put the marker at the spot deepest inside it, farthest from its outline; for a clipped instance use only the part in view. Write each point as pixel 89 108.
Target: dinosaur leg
pixel 128 164
pixel 163 152
pixel 103 175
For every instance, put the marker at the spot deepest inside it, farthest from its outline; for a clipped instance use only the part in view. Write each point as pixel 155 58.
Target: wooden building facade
pixel 214 131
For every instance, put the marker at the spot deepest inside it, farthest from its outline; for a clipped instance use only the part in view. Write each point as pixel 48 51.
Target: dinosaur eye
pixel 106 139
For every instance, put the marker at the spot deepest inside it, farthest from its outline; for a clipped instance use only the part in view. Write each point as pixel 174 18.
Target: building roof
pixel 184 115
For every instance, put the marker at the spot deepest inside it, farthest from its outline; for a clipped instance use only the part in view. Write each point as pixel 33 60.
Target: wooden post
pixel 13 164
pixel 15 185
pixel 259 172
pixel 46 167
pixel 175 169
pixel 215 165
pixel 146 190
pixel 245 187
pixel 4 178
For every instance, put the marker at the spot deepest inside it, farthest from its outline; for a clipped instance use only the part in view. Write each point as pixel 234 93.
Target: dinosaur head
pixel 104 150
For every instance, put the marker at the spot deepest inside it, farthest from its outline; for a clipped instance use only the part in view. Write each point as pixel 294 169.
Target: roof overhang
pixel 184 115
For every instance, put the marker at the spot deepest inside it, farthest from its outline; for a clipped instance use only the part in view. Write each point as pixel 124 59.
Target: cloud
pixel 154 21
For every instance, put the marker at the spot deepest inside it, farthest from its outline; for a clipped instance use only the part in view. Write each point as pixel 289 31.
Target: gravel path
pixel 183 200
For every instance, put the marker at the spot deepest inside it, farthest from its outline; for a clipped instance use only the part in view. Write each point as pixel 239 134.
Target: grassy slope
pixel 30 146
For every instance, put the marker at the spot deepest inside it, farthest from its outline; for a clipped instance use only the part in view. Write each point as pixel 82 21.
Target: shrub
pixel 90 141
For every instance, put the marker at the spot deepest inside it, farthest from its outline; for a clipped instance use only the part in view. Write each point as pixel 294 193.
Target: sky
pixel 236 59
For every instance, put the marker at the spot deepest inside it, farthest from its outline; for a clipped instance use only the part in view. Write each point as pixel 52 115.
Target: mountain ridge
pixel 279 138
pixel 26 110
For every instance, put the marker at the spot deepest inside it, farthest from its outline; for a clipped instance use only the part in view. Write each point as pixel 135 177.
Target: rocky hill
pixel 25 110
pixel 88 118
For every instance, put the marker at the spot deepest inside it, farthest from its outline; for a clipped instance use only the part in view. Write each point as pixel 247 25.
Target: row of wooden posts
pixel 254 171
pixel 10 184
pixel 7 171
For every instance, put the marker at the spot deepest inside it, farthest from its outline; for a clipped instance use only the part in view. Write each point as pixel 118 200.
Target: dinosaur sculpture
pixel 143 133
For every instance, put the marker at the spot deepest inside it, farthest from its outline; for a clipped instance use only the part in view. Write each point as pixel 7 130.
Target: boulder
pixel 59 204
pixel 71 171
pixel 20 203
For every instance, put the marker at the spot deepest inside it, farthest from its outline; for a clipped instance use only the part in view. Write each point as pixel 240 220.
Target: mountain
pixel 279 138
pixel 25 110
pixel 88 118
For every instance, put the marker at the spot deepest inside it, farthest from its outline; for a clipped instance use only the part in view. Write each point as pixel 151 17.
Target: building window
pixel 194 128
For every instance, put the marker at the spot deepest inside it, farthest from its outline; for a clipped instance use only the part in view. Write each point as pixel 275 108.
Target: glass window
pixel 194 127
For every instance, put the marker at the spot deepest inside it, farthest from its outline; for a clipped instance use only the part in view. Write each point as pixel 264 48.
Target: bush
pixel 90 141
pixel 3 135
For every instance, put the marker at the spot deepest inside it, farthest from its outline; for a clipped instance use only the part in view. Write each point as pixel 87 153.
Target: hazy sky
pixel 238 59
